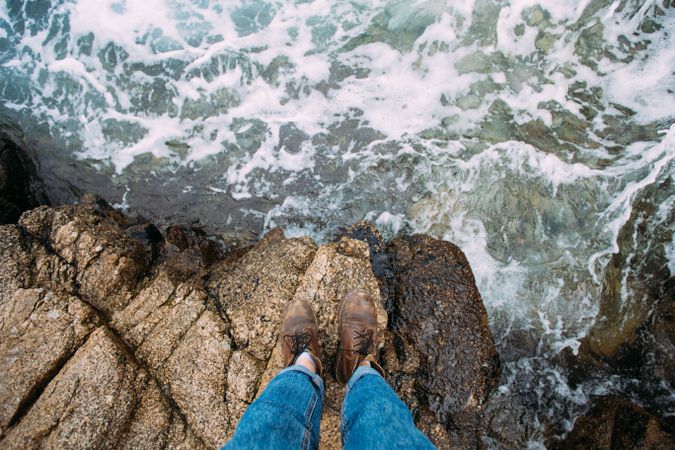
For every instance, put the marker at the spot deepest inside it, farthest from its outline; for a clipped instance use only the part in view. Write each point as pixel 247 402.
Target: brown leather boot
pixel 299 333
pixel 358 334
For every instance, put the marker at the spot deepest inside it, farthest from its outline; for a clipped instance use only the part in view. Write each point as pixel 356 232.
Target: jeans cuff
pixel 315 378
pixel 359 373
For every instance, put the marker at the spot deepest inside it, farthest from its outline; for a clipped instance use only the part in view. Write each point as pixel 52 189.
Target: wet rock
pixel 484 17
pixel 291 138
pixel 537 17
pixel 658 336
pixel 390 26
pixel 252 16
pixel 617 423
pixel 20 187
pixel 249 133
pixel 499 126
pixel 189 251
pixel 469 102
pixel 444 374
pixel 475 62
pixel 280 65
pixel 589 46
pixel 429 293
pixel 625 132
pixel 539 135
pixel 380 259
pixel 649 26
pixel 509 422
pixel 209 105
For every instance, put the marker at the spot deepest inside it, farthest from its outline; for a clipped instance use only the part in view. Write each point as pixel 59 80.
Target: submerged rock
pixel 634 329
pixel 617 423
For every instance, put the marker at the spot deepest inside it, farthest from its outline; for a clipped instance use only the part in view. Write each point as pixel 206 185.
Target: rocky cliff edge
pixel 114 334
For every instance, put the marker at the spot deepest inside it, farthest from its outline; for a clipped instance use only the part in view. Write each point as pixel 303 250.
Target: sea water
pixel 521 130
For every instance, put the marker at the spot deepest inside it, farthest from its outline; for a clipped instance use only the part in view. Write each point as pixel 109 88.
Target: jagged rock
pixel 156 425
pixel 253 292
pixel 185 346
pixel 20 187
pixel 24 263
pixel 251 295
pixel 195 373
pixel 14 262
pixel 90 238
pixel 439 351
pixel 243 381
pixel 189 251
pixel 615 423
pixel 116 335
pixel 336 269
pixel 158 317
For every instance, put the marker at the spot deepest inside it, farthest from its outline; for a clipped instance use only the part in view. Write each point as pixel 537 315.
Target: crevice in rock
pixel 26 404
pixel 28 237
pixel 165 390
pixel 211 299
pixel 168 396
pixel 259 380
pixel 123 433
pixel 179 340
pixel 147 335
pixel 103 318
pixel 68 413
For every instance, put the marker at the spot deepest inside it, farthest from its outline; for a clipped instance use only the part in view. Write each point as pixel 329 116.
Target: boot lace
pixel 363 342
pixel 298 341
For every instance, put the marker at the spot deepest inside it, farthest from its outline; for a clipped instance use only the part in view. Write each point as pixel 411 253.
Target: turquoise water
pixel 521 130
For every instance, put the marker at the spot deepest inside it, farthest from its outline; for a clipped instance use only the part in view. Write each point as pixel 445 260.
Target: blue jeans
pixel 288 412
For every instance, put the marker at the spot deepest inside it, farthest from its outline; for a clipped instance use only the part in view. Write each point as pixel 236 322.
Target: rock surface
pixel 615 423
pixel 114 334
pixel 441 339
pixel 20 187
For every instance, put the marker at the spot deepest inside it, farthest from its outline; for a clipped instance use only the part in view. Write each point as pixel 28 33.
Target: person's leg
pixel 286 415
pixel 288 412
pixel 374 417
